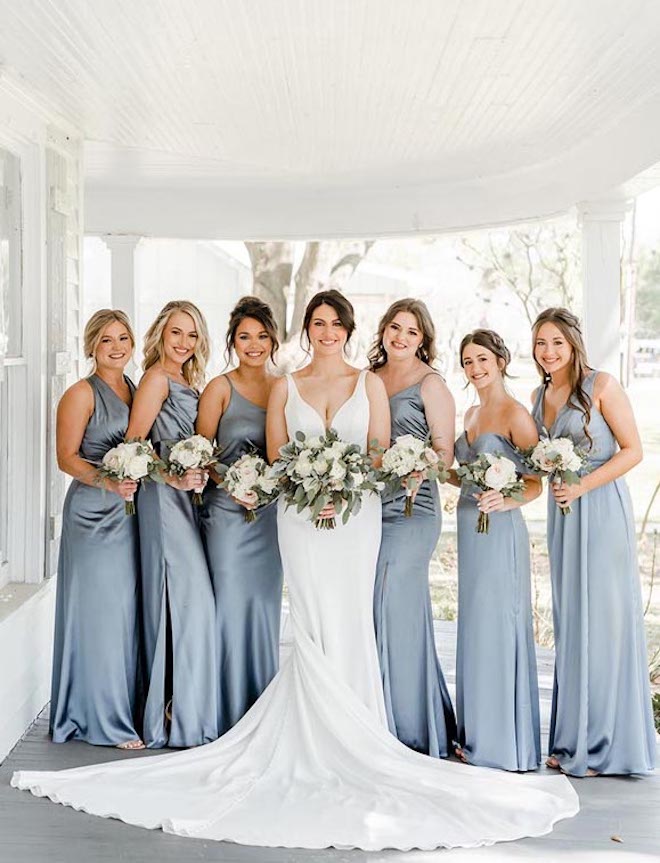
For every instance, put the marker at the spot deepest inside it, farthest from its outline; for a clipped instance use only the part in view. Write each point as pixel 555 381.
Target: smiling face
pixel 481 366
pixel 552 350
pixel 179 338
pixel 252 343
pixel 114 348
pixel 327 334
pixel 402 336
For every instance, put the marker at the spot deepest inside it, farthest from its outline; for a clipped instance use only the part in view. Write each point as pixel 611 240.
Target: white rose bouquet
pixel 410 455
pixel 191 453
pixel 133 459
pixel 316 471
pixel 491 471
pixel 250 478
pixel 560 459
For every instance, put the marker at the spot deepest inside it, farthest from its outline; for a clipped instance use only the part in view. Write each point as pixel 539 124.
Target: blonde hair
pixel 194 368
pixel 96 326
pixel 426 352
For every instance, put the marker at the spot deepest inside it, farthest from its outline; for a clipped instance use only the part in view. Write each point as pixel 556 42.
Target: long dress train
pixel 601 715
pixel 312 764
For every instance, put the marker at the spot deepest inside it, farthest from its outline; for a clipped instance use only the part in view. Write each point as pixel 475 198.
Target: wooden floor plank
pixel 35 830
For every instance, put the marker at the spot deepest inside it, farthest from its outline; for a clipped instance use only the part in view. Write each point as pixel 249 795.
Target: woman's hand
pixel 125 489
pixel 328 511
pixel 247 504
pixel 491 501
pixel 417 477
pixel 564 494
pixel 191 480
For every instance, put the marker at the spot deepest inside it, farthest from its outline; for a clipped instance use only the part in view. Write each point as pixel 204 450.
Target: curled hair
pixel 338 302
pixel 490 340
pixel 569 326
pixel 251 307
pixel 96 326
pixel 426 352
pixel 194 368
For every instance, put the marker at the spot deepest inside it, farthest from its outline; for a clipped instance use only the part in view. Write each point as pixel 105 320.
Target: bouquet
pixel 560 459
pixel 488 472
pixel 407 455
pixel 191 453
pixel 317 471
pixel 133 459
pixel 250 479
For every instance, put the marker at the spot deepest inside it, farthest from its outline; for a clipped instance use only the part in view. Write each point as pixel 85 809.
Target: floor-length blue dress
pixel 601 707
pixel 245 566
pixel 95 653
pixel 418 705
pixel 178 603
pixel 497 701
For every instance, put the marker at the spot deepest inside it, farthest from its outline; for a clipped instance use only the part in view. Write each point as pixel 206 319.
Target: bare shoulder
pixel 279 391
pixel 374 385
pixel 469 413
pixel 535 394
pixel 519 416
pixel 79 396
pixel 434 384
pixel 217 388
pixel 155 380
pixel 605 384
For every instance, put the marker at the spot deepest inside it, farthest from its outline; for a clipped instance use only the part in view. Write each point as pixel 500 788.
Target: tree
pixel 324 264
pixel 647 309
pixel 538 264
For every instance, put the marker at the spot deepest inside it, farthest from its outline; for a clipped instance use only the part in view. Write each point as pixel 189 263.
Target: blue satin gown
pixel 178 603
pixel 497 700
pixel 95 654
pixel 601 708
pixel 419 709
pixel 245 566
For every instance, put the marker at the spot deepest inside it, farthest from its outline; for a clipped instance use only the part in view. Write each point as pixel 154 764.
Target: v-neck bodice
pixel 351 421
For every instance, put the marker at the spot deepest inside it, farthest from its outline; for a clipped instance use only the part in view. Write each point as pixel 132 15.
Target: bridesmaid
pixel 244 559
pixel 419 709
pixel 178 603
pixel 96 621
pixel 601 718
pixel 497 700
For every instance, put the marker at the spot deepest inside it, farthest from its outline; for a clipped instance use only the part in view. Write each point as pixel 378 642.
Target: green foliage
pixel 647 311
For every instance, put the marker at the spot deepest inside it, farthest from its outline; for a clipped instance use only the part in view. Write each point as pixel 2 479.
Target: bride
pixel 312 764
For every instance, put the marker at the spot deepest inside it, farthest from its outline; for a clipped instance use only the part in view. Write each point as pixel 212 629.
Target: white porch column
pixel 601 223
pixel 122 261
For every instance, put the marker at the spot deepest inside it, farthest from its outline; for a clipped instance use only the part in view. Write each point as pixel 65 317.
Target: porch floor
pixel 35 830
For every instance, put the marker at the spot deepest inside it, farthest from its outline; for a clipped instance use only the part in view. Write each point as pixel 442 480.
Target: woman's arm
pixel 212 405
pixel 276 431
pixel 522 431
pixel 379 414
pixel 73 414
pixel 440 411
pixel 613 403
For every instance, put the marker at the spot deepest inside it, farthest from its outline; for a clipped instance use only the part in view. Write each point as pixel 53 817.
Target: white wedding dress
pixel 312 764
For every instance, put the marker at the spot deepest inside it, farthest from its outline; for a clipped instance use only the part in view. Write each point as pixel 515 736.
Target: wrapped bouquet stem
pixel 492 472
pixel 191 453
pixel 407 463
pixel 251 480
pixel 561 460
pixel 315 472
pixel 133 459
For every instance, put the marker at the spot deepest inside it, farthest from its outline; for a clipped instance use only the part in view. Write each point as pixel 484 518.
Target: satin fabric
pixel 601 707
pixel 497 700
pixel 178 602
pixel 419 709
pixel 246 570
pixel 312 764
pixel 95 651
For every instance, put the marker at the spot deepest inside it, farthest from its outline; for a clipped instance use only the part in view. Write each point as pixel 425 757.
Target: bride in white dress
pixel 312 764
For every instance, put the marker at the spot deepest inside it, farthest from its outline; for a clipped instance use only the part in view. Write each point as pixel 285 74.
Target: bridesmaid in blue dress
pixel 497 702
pixel 95 654
pixel 601 719
pixel 177 596
pixel 419 709
pixel 243 558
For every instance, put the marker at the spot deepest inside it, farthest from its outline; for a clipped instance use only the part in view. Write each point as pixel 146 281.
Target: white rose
pixel 112 460
pixel 248 496
pixel 337 471
pixel 138 466
pixel 358 478
pixel 320 465
pixel 268 484
pixel 303 465
pixel 314 442
pixel 502 472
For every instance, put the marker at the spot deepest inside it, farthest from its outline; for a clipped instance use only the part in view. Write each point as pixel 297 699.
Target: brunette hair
pixel 490 340
pixel 338 302
pixel 426 352
pixel 194 368
pixel 96 326
pixel 569 326
pixel 251 307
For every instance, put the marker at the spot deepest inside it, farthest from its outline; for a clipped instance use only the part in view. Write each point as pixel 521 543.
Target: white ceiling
pixel 277 118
